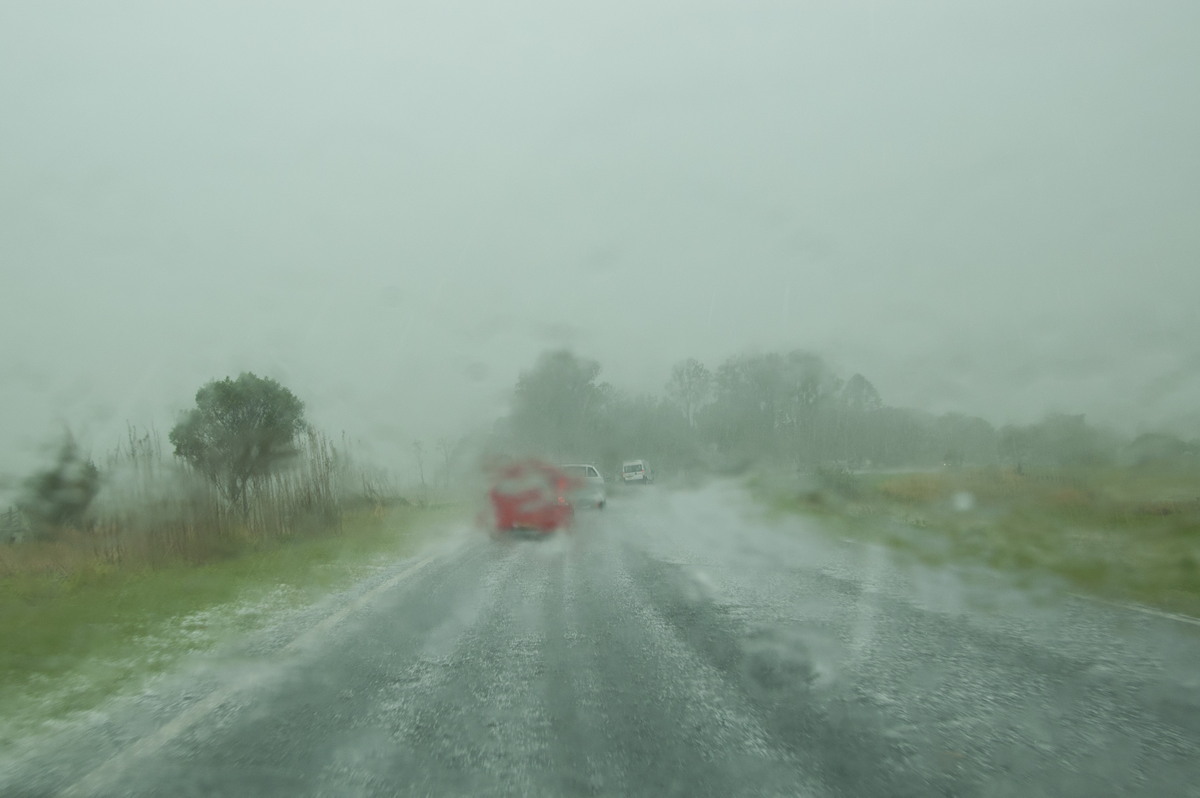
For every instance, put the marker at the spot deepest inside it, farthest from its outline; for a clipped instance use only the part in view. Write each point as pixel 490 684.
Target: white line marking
pixel 1120 605
pixel 98 778
pixel 1170 616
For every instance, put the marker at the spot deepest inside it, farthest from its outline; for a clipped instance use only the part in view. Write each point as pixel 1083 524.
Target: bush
pixel 60 496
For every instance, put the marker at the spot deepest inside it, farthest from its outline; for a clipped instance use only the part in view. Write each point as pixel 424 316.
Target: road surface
pixel 673 645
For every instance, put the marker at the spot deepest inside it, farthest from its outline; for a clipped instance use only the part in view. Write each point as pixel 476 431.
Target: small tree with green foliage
pixel 59 496
pixel 239 430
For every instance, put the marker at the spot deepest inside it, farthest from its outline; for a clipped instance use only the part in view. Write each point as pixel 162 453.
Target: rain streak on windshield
pixel 604 399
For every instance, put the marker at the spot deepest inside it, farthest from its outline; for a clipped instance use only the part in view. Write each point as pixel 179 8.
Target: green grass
pixel 1120 534
pixel 72 639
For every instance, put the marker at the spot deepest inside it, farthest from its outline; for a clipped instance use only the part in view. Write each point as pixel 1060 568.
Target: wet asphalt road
pixel 673 644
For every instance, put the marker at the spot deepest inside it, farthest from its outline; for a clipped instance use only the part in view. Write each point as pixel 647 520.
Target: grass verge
pixel 1120 534
pixel 71 640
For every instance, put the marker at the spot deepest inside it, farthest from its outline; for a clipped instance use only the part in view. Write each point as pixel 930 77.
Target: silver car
pixel 592 491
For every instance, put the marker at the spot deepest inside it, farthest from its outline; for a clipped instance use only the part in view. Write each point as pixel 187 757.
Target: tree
pixel 689 387
pixel 852 418
pixel 769 405
pixel 859 395
pixel 419 452
pixel 239 430
pixel 559 407
pixel 965 440
pixel 647 426
pixel 1017 444
pixel 60 495
pixel 1068 440
pixel 1058 440
pixel 1160 448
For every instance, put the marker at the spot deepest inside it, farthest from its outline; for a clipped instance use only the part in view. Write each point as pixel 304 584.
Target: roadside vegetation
pixel 72 639
pixel 1121 533
pixel 111 571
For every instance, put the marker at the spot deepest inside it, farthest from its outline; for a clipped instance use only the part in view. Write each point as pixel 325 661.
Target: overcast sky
pixel 393 207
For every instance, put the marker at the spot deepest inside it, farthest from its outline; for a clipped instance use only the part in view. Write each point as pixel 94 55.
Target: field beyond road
pixel 1121 534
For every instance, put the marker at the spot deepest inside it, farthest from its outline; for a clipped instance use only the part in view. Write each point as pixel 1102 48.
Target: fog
pixel 393 209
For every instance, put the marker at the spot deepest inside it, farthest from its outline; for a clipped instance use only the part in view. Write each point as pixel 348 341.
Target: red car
pixel 531 496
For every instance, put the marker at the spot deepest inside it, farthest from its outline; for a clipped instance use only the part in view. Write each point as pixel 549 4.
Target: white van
pixel 636 472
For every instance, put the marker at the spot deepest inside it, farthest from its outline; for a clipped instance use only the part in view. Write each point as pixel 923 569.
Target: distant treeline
pixel 787 410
